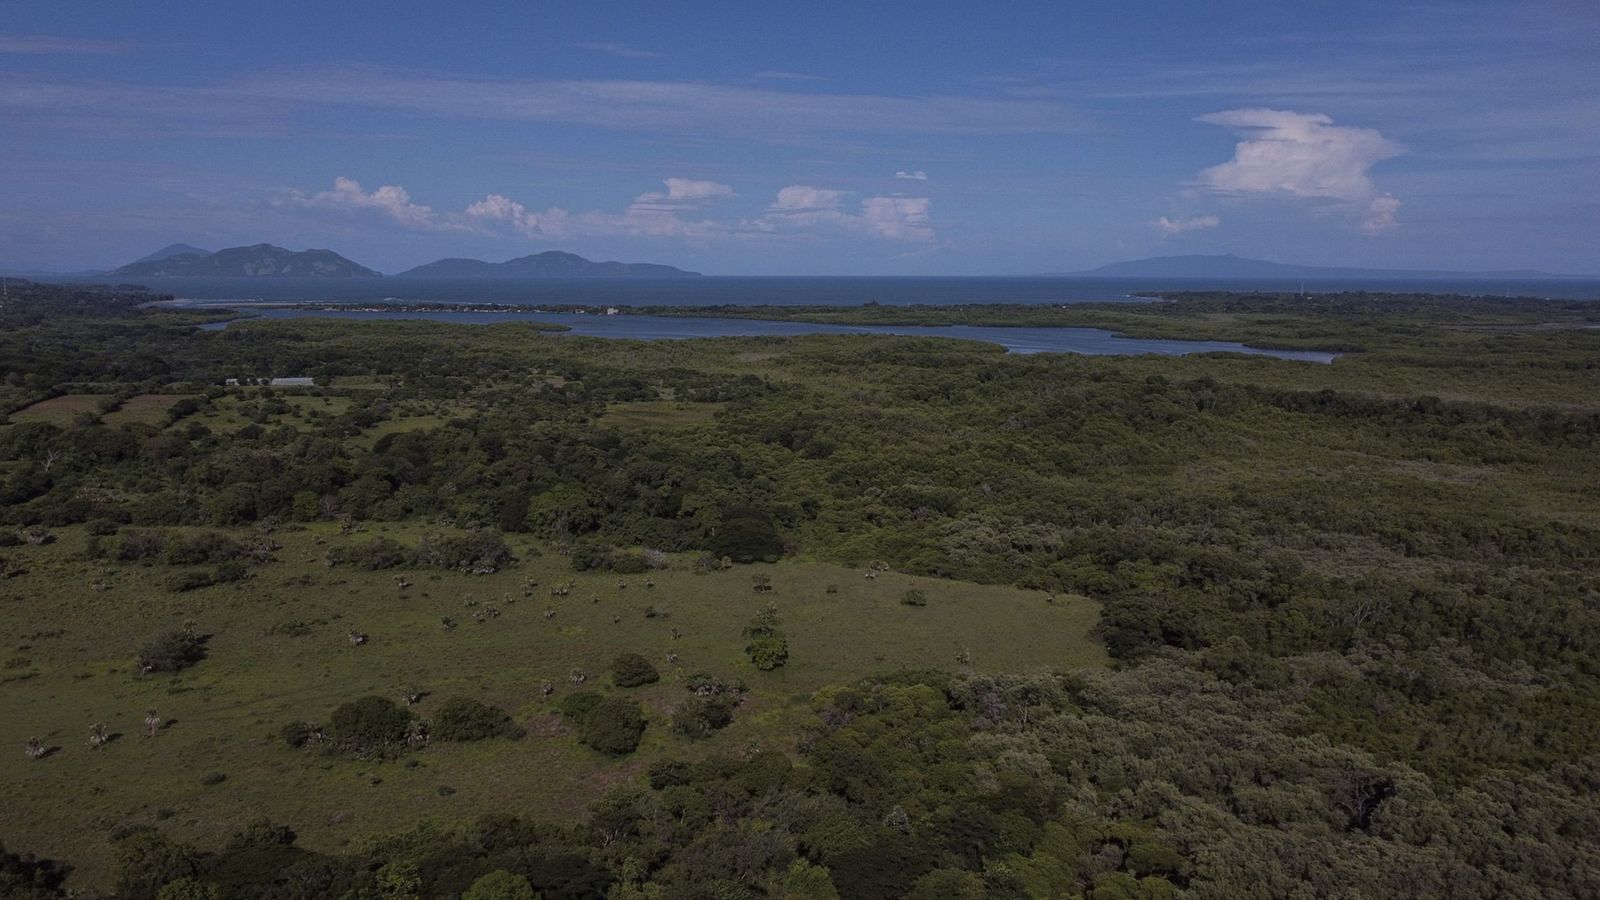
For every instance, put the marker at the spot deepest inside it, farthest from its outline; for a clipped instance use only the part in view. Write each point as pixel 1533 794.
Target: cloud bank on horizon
pixel 1380 135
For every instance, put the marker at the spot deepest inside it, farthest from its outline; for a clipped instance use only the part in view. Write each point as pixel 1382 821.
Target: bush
pixel 700 717
pixel 768 652
pixel 576 707
pixel 370 724
pixel 614 726
pixel 632 670
pixel 913 597
pixel 298 734
pixel 465 719
pixel 171 651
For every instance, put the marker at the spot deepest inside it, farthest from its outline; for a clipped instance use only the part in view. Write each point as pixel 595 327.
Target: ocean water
pixel 792 291
pixel 1093 341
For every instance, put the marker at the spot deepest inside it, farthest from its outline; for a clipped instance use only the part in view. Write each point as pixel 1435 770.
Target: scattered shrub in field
pixel 370 725
pixel 614 726
pixel 632 670
pixel 378 553
pixel 481 553
pixel 299 734
pixel 699 717
pixel 261 832
pixel 704 684
pixel 768 648
pixel 172 651
pixel 101 527
pixel 914 597
pixel 577 706
pixel 465 719
pixel 212 779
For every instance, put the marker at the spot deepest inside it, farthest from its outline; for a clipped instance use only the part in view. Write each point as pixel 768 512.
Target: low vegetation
pixel 882 617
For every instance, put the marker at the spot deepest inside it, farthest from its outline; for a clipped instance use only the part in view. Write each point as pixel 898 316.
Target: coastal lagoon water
pixel 1093 341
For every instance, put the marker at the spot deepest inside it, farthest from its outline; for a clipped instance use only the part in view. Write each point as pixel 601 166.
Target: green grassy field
pixel 225 711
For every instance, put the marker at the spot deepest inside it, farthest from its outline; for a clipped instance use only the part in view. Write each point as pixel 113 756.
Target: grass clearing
pixel 227 710
pixel 60 411
pixel 648 414
pixel 145 409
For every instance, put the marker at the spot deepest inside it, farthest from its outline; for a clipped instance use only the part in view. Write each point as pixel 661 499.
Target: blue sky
pixel 807 138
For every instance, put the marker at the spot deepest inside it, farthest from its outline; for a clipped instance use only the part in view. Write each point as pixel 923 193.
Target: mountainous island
pixel 549 264
pixel 255 261
pixel 1229 266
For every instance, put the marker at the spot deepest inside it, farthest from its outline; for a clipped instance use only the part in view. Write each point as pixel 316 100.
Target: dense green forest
pixel 1350 614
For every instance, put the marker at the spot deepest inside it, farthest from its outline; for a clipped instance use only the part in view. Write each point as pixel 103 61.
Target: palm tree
pixel 98 736
pixel 35 748
pixel 152 722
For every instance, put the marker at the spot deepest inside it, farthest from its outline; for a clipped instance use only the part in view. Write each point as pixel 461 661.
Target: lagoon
pixel 1091 341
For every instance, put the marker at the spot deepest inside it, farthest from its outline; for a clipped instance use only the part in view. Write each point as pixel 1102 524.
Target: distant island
pixel 255 261
pixel 171 250
pixel 549 264
pixel 1229 266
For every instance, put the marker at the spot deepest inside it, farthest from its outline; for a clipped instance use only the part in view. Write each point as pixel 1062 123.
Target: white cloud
pixel 1293 154
pixel 389 199
pixel 1380 215
pixel 890 218
pixel 797 209
pixel 799 198
pixel 498 210
pixel 683 192
pixel 918 175
pixel 1179 226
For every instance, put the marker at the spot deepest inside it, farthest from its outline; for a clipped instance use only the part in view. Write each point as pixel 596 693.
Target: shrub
pixel 101 527
pixel 171 651
pixel 768 652
pixel 768 648
pixel 189 581
pixel 147 860
pixel 370 724
pixel 465 719
pixel 700 717
pixel 298 734
pixel 614 726
pixel 914 597
pixel 632 670
pixel 576 707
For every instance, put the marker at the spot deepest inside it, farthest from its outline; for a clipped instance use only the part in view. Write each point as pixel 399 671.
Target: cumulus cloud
pixel 1293 154
pixel 682 192
pixel 674 212
pixel 918 175
pixel 1179 226
pixel 391 200
pixel 890 218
